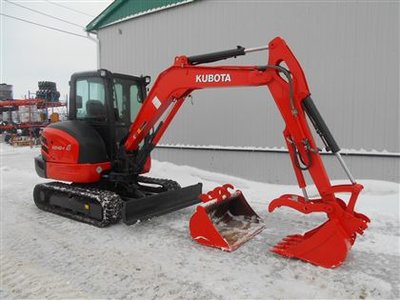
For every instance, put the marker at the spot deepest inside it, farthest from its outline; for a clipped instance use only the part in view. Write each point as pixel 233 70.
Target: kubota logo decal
pixel 61 148
pixel 58 148
pixel 224 77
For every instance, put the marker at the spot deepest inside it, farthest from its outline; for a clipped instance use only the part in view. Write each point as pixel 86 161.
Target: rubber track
pixel 110 202
pixel 166 184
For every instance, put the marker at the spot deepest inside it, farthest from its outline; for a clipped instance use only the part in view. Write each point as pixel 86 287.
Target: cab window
pixel 90 98
pixel 135 101
pixel 126 101
pixel 119 100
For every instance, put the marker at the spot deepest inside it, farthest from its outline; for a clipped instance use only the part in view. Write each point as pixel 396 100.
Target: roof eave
pixel 94 28
pixel 94 24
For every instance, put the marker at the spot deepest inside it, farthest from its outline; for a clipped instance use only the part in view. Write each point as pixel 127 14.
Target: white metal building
pixel 349 51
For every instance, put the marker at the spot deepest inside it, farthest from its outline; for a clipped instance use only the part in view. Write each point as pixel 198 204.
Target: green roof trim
pixel 122 10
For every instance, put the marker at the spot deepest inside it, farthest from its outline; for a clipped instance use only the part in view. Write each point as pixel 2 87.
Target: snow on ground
pixel 47 256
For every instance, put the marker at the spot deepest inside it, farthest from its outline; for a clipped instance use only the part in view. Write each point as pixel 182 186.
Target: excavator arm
pixel 289 89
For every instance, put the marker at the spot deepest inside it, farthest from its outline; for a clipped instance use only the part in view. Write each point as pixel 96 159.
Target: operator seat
pixel 95 109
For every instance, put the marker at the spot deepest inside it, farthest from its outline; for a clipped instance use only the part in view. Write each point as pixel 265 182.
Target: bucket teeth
pixel 288 242
pixel 283 249
pixel 279 251
pixel 293 238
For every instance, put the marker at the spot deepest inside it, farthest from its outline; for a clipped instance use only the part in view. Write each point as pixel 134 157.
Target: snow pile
pixel 46 256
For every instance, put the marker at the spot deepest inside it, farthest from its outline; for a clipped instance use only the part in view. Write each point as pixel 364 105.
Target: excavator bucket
pixel 314 245
pixel 328 244
pixel 224 220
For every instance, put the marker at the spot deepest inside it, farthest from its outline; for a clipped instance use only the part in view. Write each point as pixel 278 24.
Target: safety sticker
pixel 156 102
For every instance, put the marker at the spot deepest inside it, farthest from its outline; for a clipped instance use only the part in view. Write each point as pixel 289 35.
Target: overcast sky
pixel 29 53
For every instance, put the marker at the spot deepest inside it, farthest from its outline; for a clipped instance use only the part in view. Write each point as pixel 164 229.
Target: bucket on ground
pixel 328 244
pixel 224 220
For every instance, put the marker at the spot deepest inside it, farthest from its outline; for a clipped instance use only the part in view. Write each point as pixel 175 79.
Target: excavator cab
pixel 109 102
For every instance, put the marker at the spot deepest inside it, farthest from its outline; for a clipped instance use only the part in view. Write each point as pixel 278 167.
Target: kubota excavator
pixel 113 125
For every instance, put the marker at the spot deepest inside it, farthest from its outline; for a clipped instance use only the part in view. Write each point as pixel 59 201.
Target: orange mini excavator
pixel 104 147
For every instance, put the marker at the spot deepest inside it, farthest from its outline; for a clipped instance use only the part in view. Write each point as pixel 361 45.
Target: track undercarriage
pixel 103 204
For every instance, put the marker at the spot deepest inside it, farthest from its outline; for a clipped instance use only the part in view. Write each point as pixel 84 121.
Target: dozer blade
pixel 328 244
pixel 225 220
pixel 135 209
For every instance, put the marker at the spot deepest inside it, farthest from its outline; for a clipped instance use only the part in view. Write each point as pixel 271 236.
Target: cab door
pixel 127 100
pixel 91 105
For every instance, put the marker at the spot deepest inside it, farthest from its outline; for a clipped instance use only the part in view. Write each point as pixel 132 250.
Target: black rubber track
pixel 110 202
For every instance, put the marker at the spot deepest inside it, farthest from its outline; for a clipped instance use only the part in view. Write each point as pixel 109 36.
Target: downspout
pixel 97 41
